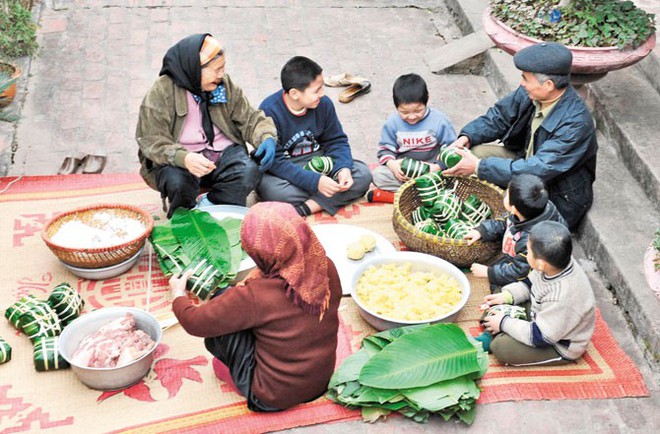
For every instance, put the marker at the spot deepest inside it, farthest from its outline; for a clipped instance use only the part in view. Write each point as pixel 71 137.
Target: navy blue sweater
pixel 316 130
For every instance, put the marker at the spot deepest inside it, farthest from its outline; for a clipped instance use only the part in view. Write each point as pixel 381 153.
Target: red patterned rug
pixel 181 392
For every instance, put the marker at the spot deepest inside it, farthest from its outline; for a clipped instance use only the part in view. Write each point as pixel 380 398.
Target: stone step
pixel 627 110
pixel 459 56
pixel 615 234
pixel 650 67
pixel 625 214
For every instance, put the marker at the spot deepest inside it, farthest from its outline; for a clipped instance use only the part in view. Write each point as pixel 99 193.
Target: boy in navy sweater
pixel 414 130
pixel 308 127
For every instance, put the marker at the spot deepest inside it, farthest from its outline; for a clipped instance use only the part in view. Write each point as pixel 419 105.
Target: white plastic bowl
pixel 105 272
pixel 420 262
pixel 109 378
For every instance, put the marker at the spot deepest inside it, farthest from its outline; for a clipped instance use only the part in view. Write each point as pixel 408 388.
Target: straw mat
pixel 181 393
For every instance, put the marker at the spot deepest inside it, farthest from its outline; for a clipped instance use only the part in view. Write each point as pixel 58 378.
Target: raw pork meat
pixel 115 344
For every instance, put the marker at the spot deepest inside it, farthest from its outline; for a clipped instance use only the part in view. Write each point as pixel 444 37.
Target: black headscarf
pixel 181 64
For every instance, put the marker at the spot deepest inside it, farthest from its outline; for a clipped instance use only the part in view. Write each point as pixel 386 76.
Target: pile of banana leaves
pixel 195 240
pixel 416 371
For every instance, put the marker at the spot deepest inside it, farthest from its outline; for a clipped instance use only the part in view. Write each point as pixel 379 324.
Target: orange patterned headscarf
pixel 211 47
pixel 282 244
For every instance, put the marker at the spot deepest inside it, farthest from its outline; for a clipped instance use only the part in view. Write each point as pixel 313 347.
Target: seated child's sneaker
pixel 379 195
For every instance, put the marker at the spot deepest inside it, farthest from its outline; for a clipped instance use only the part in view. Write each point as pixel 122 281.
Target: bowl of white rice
pixel 98 236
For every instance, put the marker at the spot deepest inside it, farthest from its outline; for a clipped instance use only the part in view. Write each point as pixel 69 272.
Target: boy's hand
pixel 197 164
pixel 178 284
pixel 266 154
pixel 328 187
pixel 395 168
pixel 493 299
pixel 344 179
pixel 472 236
pixel 479 270
pixel 492 322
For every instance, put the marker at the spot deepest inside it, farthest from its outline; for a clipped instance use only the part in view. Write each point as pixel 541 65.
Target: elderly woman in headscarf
pixel 277 331
pixel 193 126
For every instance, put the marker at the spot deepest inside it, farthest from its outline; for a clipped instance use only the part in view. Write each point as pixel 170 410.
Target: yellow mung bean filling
pixel 397 293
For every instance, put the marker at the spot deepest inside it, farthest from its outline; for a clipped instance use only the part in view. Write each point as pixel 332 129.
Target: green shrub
pixel 581 23
pixel 18 33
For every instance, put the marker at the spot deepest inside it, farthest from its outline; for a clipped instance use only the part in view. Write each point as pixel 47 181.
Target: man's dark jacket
pixel 564 148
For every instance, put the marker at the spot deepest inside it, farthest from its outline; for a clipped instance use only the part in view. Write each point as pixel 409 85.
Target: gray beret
pixel 545 58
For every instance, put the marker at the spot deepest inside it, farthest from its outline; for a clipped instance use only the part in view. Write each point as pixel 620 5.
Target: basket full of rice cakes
pixel 406 288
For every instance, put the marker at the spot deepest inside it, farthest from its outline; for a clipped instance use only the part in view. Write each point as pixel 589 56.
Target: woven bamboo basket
pixel 103 256
pixel 455 251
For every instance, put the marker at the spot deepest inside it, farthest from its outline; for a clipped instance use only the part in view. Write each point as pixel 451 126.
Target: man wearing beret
pixel 544 129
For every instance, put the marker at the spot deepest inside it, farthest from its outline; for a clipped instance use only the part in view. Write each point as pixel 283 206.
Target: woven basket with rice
pixel 456 251
pixel 98 257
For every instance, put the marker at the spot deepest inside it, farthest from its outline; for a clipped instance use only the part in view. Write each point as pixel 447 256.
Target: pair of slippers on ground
pixel 356 85
pixel 88 163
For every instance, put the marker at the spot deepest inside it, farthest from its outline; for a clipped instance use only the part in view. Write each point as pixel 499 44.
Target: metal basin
pixel 109 378
pixel 420 262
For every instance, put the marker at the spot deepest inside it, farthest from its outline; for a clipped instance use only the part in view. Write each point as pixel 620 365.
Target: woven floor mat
pixel 181 392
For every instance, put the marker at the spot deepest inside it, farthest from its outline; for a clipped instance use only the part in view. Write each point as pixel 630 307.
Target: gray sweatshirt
pixel 563 312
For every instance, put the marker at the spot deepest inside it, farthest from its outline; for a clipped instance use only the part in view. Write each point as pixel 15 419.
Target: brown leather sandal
pixel 93 164
pixel 354 90
pixel 69 165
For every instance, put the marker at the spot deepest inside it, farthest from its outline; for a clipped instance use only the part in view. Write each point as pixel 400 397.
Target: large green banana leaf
pixel 443 394
pixel 427 356
pixel 201 236
pixel 168 250
pixel 380 340
pixel 232 227
pixel 350 369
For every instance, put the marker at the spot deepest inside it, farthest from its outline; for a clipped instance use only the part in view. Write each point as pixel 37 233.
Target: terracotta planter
pixel 7 96
pixel 652 275
pixel 586 60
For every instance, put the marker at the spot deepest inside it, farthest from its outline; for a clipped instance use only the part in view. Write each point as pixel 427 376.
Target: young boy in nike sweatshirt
pixel 414 130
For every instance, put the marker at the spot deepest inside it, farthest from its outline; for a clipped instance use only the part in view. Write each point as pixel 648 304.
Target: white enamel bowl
pixel 105 272
pixel 420 262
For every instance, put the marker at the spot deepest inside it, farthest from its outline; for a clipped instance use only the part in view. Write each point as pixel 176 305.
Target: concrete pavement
pixel 99 57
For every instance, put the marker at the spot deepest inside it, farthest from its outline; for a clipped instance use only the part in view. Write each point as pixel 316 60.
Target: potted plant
pixel 652 264
pixel 9 73
pixel 603 35
pixel 5 83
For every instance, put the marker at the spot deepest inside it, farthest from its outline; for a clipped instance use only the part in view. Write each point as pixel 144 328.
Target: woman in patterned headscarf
pixel 277 331
pixel 193 127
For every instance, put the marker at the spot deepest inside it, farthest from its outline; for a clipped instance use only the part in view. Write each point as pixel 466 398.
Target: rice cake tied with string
pixel 420 214
pixel 414 168
pixel 512 310
pixel 474 211
pixel 320 164
pixel 430 186
pixel 47 355
pixel 13 313
pixel 35 318
pixel 5 351
pixel 429 226
pixel 457 229
pixel 446 207
pixel 66 302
